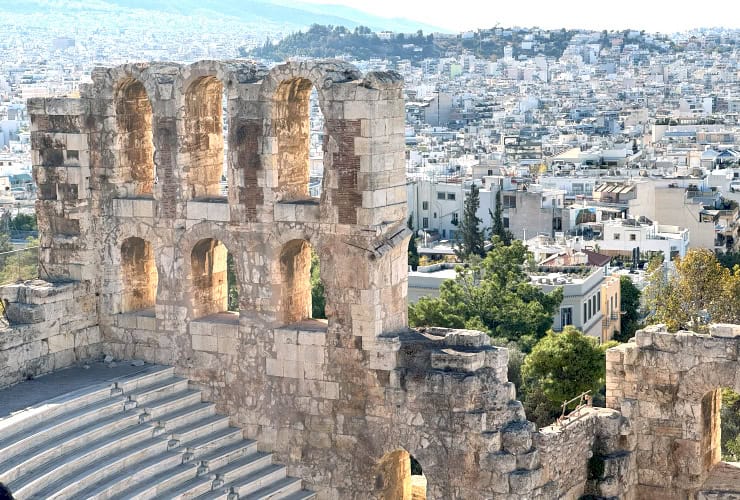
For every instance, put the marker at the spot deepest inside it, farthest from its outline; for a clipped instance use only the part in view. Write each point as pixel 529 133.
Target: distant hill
pixel 363 43
pixel 332 41
pixel 291 15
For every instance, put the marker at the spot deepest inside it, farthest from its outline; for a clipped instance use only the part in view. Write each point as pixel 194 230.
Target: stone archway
pixel 209 275
pixel 139 275
pixel 292 123
pixel 136 142
pixel 204 137
pixel 400 477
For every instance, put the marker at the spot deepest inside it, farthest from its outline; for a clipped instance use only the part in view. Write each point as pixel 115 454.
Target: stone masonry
pixel 134 241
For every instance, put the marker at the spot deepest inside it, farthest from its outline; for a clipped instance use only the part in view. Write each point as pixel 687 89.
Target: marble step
pixel 52 427
pixel 93 451
pixel 133 476
pixel 64 444
pixel 158 390
pixel 70 485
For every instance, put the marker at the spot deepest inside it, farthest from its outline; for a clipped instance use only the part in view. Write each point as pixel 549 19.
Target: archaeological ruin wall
pixel 135 234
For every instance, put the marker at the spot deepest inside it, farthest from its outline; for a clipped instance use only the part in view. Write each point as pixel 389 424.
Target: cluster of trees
pixel 700 291
pixel 493 293
pixel 496 296
pixel 471 236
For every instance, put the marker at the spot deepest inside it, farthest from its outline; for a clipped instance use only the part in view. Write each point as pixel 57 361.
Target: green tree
pixel 318 298
pixel 495 296
pixel 497 224
pixel 413 250
pixel 700 291
pixel 24 222
pixel 629 303
pixel 470 236
pixel 729 259
pixel 561 367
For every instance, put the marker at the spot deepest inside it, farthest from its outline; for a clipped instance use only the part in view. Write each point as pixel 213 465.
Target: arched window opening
pixel 316 145
pixel 725 403
pixel 214 277
pixel 720 439
pixel 136 144
pixel 302 290
pixel 139 273
pixel 318 295
pixel 299 126
pixel 400 477
pixel 204 127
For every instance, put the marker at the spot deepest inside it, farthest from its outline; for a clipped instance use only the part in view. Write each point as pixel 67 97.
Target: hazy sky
pixel 651 15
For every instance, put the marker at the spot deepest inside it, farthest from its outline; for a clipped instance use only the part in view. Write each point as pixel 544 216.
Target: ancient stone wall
pixel 134 239
pixel 667 385
pixel 54 325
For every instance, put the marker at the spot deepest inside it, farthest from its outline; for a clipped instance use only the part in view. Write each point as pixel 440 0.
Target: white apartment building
pixel 621 236
pixel 581 306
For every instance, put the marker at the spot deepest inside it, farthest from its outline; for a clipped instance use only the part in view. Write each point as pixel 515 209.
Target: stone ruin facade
pixel 134 241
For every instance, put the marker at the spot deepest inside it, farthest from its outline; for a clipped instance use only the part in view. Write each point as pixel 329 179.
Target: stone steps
pixel 22 421
pixel 46 430
pixel 146 435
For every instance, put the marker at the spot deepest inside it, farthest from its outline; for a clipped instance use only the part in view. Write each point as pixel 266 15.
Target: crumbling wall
pixel 331 398
pixel 52 325
pixel 666 384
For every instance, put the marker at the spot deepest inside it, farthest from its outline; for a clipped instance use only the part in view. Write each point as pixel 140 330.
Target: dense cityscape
pixel 572 194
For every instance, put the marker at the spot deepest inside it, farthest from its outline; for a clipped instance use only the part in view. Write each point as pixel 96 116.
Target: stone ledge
pixel 449 359
pixel 133 207
pixel 218 211
pixel 298 211
pixel 141 320
pixel 724 330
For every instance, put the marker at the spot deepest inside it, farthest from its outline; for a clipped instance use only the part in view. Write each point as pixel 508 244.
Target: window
pixel 434 216
pixel 450 196
pixel 509 201
pixel 455 219
pixel 73 154
pixel 585 312
pixel 425 223
pixel 590 308
pixel 566 316
pixel 425 205
pixel 598 301
pixel 616 236
pixel 506 223
pixel 440 195
pixel 490 171
pixel 633 237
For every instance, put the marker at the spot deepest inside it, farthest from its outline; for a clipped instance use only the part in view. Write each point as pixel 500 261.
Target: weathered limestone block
pixel 724 330
pixel 516 438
